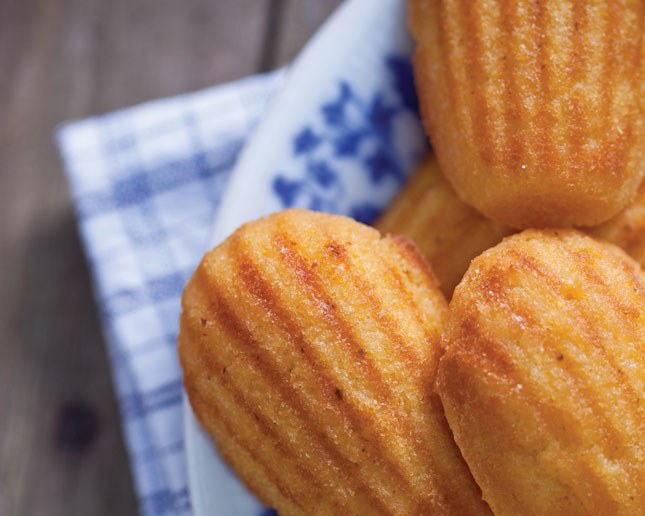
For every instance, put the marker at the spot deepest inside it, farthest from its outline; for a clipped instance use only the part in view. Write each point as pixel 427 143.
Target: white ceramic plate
pixel 341 137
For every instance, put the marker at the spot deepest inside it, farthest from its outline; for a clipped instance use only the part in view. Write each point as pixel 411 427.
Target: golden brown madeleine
pixel 535 109
pixel 543 376
pixel 627 229
pixel 447 231
pixel 308 343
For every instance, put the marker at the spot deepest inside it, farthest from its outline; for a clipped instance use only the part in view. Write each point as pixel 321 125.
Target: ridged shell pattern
pixel 543 378
pixel 535 109
pixel 309 346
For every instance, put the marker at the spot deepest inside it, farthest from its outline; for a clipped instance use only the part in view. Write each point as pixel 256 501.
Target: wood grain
pixel 61 449
pixel 298 20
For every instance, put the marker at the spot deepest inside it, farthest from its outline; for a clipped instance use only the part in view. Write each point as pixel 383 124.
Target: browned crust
pixel 534 108
pixel 318 336
pixel 544 353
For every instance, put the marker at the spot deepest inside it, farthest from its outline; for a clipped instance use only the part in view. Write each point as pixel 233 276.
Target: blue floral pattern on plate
pixel 358 133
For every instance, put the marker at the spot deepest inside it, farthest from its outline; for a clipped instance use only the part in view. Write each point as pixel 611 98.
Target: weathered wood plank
pixel 299 20
pixel 164 47
pixel 61 450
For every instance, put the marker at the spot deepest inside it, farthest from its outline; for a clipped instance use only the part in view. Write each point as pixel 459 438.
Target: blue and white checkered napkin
pixel 146 183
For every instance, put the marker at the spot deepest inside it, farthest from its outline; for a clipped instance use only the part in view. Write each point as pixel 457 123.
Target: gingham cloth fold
pixel 146 183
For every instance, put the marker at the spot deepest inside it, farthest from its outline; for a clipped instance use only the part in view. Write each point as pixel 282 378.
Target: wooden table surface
pixel 61 448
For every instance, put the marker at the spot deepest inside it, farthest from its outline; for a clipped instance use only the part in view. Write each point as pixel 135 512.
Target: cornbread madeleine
pixel 543 376
pixel 308 345
pixel 447 231
pixel 535 109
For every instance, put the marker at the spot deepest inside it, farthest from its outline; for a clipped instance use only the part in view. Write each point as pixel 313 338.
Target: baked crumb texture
pixel 543 376
pixel 535 109
pixel 309 347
